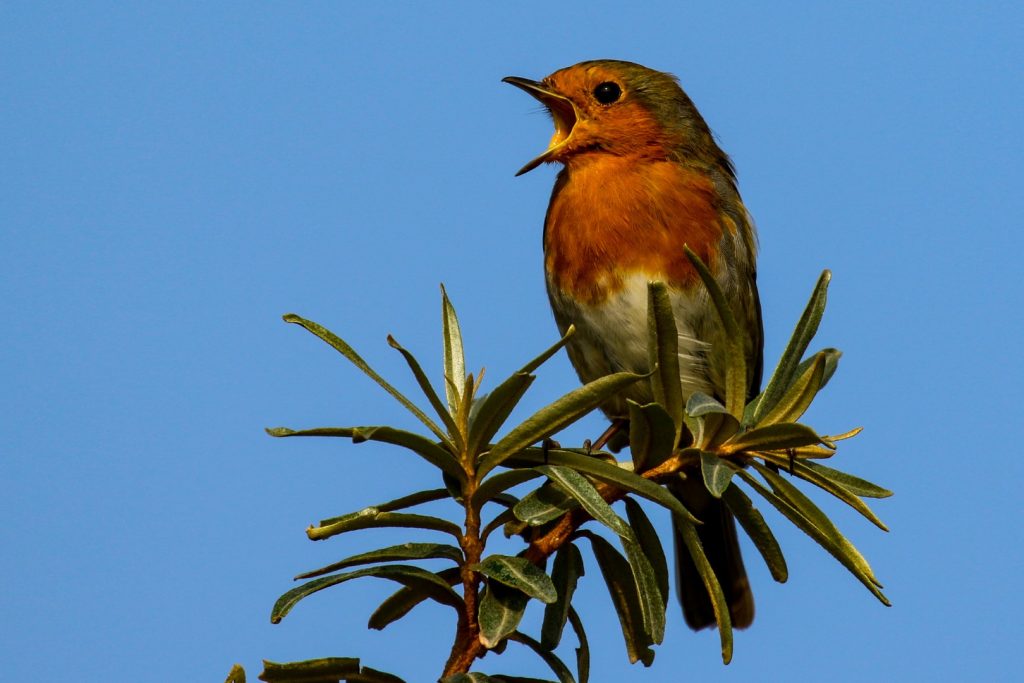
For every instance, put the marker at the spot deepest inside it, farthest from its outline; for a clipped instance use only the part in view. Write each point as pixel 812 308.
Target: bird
pixel 642 178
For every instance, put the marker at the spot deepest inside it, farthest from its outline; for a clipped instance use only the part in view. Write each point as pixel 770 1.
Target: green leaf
pixel 556 416
pixel 434 586
pixel 544 504
pixel 344 349
pixel 316 670
pixel 501 610
pixel 330 670
pixel 832 357
pixel 471 677
pixel 650 544
pixel 494 409
pixel 428 391
pixel 773 437
pixel 688 533
pixel 607 473
pixel 498 483
pixel 402 601
pixel 805 330
pixel 735 355
pixel 552 350
pixel 856 485
pixel 583 651
pixel 568 567
pixel 554 663
pixel 716 473
pixel 236 675
pixel 652 435
pixel 618 577
pixel 454 357
pixel 663 353
pixel 806 516
pixel 421 446
pixel 795 401
pixel 700 404
pixel 372 518
pixel 651 604
pixel 576 485
pixel 519 573
pixel 405 551
pixel 806 473
pixel 758 530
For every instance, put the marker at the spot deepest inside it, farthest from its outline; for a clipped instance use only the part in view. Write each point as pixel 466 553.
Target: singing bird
pixel 643 177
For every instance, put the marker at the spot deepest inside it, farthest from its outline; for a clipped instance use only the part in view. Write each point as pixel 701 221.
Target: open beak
pixel 562 110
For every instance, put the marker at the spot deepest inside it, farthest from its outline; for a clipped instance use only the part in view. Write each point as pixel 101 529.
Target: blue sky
pixel 173 179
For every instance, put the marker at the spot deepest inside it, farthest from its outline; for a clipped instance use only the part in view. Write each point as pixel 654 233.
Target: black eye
pixel 607 92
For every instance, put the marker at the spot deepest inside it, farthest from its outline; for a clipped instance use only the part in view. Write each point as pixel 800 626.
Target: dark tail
pixel 718 537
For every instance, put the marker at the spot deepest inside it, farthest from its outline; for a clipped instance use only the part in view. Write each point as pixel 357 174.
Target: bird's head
pixel 620 108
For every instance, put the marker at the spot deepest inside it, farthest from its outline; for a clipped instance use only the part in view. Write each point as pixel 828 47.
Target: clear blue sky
pixel 173 179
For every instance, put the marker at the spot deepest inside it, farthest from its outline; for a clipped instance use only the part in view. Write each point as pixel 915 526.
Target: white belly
pixel 612 337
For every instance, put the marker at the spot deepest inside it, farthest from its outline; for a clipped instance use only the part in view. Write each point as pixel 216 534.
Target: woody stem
pixel 467 646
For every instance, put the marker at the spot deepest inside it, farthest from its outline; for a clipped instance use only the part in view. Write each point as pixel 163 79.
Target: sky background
pixel 173 179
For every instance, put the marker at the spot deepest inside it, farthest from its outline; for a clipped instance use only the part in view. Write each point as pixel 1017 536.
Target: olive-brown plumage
pixel 642 178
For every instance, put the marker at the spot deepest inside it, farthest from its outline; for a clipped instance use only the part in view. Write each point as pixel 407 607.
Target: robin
pixel 643 176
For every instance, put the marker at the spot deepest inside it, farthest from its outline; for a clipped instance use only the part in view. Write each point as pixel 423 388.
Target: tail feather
pixel 718 537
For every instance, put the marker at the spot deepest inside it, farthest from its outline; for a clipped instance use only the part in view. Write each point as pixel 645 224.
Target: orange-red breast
pixel 642 177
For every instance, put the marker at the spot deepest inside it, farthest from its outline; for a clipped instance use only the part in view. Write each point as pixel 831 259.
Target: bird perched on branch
pixel 642 178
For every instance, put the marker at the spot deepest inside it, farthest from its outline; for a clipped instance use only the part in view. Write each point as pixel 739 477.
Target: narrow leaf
pixel 652 435
pixel 429 392
pixel 813 513
pixel 758 530
pixel 402 601
pixel 805 330
pixel 840 549
pixel 716 473
pixel 650 544
pixel 519 573
pixel 328 669
pixel 801 470
pixel 576 485
pixel 371 518
pixel 583 651
pixel 501 610
pixel 688 533
pixel 607 473
pixel 494 410
pixel 552 350
pixel 795 401
pixel 618 577
pixel 772 437
pixel 568 567
pixel 663 353
pixel 421 446
pixel 554 663
pixel 454 357
pixel 735 355
pixel 435 587
pixel 344 349
pixel 856 485
pixel 832 357
pixel 405 551
pixel 544 504
pixel 556 416
pixel 700 404
pixel 651 604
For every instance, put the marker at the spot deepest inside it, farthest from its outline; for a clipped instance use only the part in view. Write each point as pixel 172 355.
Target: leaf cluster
pixel 759 444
